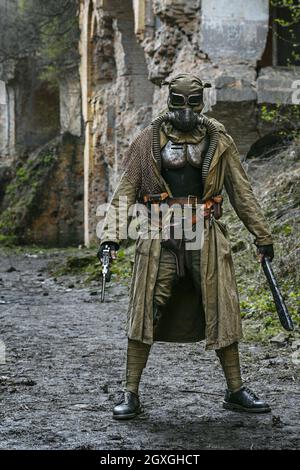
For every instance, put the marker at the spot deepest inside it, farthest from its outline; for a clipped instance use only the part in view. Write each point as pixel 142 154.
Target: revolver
pixel 106 273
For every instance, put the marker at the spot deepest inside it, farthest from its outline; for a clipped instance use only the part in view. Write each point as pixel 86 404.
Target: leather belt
pixel 192 201
pixel 212 206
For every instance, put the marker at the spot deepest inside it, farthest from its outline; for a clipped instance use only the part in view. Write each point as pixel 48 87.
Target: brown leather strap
pixel 210 206
pixel 189 201
pixel 155 198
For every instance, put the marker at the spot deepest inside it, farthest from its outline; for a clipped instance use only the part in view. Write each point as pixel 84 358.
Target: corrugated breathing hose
pixel 213 142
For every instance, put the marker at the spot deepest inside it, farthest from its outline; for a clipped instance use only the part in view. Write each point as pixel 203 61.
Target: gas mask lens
pixel 177 99
pixel 195 100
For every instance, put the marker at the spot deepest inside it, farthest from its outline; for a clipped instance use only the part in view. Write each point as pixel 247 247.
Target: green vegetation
pixel 279 195
pixel 88 267
pixel 258 307
pixel 45 31
pixel 22 194
pixel 290 17
pixel 8 240
pixel 284 118
pixel 286 31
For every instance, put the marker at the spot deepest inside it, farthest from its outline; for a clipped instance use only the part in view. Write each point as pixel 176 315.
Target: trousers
pixel 167 275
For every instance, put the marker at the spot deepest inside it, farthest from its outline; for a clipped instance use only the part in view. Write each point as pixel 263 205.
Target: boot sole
pixel 128 416
pixel 235 407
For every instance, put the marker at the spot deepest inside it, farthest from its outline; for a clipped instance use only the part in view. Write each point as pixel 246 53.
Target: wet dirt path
pixel 64 367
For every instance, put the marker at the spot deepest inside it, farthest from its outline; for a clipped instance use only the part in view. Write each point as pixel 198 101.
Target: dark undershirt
pixel 184 181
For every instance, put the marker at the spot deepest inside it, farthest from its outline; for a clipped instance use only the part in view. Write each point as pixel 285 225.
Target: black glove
pixel 266 250
pixel 113 248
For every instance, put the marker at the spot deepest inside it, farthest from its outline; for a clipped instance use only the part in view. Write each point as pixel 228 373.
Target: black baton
pixel 281 308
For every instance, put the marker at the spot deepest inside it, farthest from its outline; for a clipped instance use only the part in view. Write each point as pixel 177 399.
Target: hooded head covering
pixel 185 84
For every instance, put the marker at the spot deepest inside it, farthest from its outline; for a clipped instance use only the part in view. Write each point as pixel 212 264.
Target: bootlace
pixel 252 394
pixel 121 398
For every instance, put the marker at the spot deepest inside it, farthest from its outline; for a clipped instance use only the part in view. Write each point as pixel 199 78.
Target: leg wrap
pixel 137 355
pixel 229 358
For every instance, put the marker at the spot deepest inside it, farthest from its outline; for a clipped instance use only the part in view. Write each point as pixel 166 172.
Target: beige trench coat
pixel 220 302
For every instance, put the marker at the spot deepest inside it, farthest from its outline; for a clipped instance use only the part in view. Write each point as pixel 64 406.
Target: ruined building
pixel 41 147
pixel 127 48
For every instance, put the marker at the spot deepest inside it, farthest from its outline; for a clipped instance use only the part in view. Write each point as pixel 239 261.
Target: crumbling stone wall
pixel 7 131
pixel 41 199
pixel 33 115
pixel 128 47
pixel 29 113
pixel 117 96
pixel 43 204
pixel 220 41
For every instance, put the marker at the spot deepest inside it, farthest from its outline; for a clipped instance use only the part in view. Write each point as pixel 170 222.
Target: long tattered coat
pixel 181 320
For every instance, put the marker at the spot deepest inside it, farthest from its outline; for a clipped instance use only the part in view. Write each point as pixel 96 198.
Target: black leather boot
pixel 245 400
pixel 128 407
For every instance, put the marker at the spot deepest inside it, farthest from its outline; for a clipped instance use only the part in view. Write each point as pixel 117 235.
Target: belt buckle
pixel 192 200
pixel 155 198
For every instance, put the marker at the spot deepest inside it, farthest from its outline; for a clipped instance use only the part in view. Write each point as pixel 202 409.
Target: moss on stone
pixel 22 194
pixel 26 196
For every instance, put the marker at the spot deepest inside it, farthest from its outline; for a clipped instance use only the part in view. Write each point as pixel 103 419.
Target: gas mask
pixel 185 101
pixel 184 117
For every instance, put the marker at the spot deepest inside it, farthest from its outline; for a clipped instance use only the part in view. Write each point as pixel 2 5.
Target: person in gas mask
pixel 176 294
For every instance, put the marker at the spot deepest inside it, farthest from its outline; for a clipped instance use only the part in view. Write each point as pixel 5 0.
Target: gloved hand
pixel 113 250
pixel 265 250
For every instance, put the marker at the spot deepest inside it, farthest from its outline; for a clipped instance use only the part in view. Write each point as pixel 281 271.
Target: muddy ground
pixel 65 363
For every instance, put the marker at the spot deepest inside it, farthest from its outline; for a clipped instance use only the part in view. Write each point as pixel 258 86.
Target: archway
pixel 117 97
